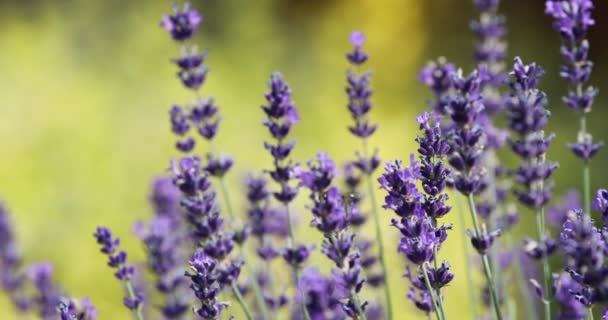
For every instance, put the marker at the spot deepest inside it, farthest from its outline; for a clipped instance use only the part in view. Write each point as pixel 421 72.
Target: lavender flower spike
pixel 527 117
pixel 359 105
pixel 117 259
pixel 572 20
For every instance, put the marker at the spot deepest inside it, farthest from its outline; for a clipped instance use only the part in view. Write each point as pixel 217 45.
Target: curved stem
pixel 296 273
pixel 485 261
pixel 259 298
pixel 133 297
pixel 239 298
pixel 467 257
pixel 357 301
pixel 522 283
pixel 431 292
pixel 540 229
pixel 226 197
pixel 382 258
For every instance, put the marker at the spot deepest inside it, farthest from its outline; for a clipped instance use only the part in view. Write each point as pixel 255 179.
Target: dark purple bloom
pixel 204 118
pixel 204 278
pixel 528 117
pixel 183 23
pixel 117 259
pixel 584 247
pixel 569 307
pixel 438 76
pixel 319 295
pixel 298 255
pixel 320 175
pixel 482 242
pixel 282 114
pixel 422 301
pixel 217 166
pixel 400 184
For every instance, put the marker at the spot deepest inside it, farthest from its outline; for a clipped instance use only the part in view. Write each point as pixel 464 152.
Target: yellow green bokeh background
pixel 85 88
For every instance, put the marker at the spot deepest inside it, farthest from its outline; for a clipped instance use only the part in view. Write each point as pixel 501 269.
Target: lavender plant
pixel 190 245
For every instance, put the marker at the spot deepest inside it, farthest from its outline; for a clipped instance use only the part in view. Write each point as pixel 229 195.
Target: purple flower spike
pixel 528 117
pixel 572 20
pixel 117 259
pixel 183 23
pixel 281 116
pixel 204 277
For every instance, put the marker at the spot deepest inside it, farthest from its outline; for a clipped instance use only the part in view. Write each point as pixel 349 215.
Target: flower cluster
pixel 117 259
pixel 584 246
pixel 527 117
pixel 331 217
pixel 572 21
pixel 421 237
pixel 438 76
pixel 164 243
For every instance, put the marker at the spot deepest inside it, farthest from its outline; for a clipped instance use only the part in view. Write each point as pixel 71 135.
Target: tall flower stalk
pixel 202 115
pixel 281 115
pixel 359 105
pixel 331 217
pixel 572 21
pixel 421 237
pixel 527 117
pixel 117 259
pixel 467 142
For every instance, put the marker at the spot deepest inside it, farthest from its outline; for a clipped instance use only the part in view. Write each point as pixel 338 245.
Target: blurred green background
pixel 85 88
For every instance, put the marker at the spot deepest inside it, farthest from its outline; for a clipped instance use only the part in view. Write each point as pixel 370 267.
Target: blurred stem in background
pixel 484 259
pixel 467 257
pixel 257 291
pixel 586 169
pixel 374 207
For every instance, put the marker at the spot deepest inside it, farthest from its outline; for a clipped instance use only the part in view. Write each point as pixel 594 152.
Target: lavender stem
pixel 467 259
pixel 239 298
pixel 254 283
pixel 131 293
pixel 372 199
pixel 296 272
pixel 484 258
pixel 431 292
pixel 586 169
pixel 540 228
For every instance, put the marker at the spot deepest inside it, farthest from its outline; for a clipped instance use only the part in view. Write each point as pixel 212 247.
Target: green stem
pixel 467 257
pixel 382 258
pixel 586 169
pixel 431 292
pixel 485 262
pixel 296 273
pixel 227 199
pixel 239 298
pixel 259 298
pixel 540 229
pixel 133 297
pixel 438 290
pixel 355 297
pixel 590 314
pixel 522 283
